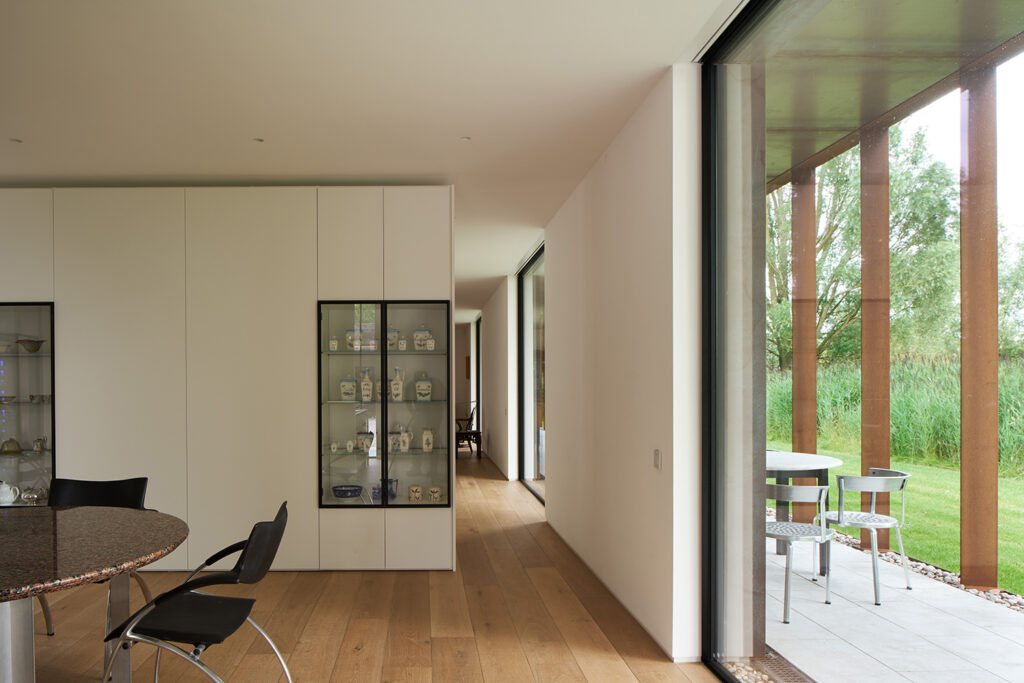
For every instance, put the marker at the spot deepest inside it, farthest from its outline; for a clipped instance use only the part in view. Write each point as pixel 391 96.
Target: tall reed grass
pixel 924 410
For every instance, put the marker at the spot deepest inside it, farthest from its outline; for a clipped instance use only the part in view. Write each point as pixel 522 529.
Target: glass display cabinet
pixel 384 404
pixel 26 402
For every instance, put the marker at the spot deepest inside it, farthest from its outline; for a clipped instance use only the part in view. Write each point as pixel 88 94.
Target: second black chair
pixel 187 615
pixel 118 493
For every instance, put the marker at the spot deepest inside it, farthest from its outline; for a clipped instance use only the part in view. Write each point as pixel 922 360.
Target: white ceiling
pixel 380 91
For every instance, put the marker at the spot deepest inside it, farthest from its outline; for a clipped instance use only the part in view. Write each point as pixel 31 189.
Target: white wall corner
pixel 686 361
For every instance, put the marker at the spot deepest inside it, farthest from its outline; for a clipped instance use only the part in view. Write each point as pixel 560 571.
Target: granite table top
pixel 44 549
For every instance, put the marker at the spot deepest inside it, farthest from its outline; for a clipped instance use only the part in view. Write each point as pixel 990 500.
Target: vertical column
pixel 979 346
pixel 874 330
pixel 805 335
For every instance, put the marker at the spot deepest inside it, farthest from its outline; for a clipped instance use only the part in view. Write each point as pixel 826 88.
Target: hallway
pixel 521 607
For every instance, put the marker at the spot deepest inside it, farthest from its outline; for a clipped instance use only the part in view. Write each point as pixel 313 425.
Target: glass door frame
pixel 382 440
pixel 521 365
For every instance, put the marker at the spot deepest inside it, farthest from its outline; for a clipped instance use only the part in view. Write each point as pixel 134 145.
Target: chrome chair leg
pixel 906 565
pixel 272 647
pixel 874 565
pixel 814 561
pixel 156 666
pixel 47 615
pixel 828 573
pixel 142 585
pixel 789 567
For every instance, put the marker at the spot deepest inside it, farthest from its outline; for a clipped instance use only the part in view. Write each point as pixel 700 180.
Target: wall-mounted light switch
pixel 657 458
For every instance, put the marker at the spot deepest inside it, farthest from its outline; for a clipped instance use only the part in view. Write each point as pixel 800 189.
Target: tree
pixel 924 261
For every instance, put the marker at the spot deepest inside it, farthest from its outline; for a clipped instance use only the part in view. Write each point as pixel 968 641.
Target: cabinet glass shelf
pixel 25 422
pixel 388 435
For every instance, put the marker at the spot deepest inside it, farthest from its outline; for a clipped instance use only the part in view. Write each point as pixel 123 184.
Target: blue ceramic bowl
pixel 347 491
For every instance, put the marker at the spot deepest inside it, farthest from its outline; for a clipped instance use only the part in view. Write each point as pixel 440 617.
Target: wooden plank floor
pixel 521 607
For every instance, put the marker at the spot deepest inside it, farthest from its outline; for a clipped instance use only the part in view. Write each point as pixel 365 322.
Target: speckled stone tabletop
pixel 45 549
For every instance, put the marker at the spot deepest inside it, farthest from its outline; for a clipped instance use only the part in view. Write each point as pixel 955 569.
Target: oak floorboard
pixel 455 660
pixel 522 606
pixel 316 651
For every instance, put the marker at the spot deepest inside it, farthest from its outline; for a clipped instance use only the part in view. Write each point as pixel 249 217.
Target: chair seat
pixel 866 520
pixel 796 531
pixel 195 618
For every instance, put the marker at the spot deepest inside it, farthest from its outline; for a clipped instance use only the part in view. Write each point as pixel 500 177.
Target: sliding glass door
pixel 531 374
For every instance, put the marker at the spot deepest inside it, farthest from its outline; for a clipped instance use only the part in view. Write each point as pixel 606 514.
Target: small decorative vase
pixel 392 340
pixel 394 440
pixel 434 494
pixel 404 441
pixel 428 440
pixel 415 493
pixel 332 344
pixel 348 389
pixel 420 337
pixel 366 387
pixel 397 385
pixel 424 387
pixel 403 344
pixel 365 441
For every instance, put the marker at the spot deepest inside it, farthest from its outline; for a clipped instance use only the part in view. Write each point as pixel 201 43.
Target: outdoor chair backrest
pixel 879 480
pixel 800 494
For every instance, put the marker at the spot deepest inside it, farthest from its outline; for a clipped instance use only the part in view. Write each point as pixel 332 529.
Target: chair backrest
pixel 878 480
pixel 261 548
pixel 119 493
pixel 800 494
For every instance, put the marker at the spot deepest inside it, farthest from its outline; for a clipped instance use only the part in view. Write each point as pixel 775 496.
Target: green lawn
pixel 932 530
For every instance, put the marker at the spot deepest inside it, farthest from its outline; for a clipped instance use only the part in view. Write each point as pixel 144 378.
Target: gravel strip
pixel 996 595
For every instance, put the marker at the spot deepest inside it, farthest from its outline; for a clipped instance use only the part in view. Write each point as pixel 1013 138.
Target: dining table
pixel 783 466
pixel 48 549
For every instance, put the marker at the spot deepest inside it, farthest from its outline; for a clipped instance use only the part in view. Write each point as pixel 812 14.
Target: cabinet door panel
pixel 350 249
pixel 417 243
pixel 26 233
pixel 419 538
pixel 120 346
pixel 351 539
pixel 252 408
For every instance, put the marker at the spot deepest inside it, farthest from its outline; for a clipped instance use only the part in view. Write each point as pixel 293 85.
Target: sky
pixel 941 123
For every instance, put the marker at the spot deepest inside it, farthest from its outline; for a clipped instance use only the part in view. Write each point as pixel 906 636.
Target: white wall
pixel 498 366
pixel 618 385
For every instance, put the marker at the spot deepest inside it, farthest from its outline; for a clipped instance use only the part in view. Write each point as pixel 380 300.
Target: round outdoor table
pixel 783 466
pixel 48 549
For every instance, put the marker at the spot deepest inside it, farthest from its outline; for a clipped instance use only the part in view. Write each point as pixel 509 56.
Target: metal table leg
pixel 17 644
pixel 118 611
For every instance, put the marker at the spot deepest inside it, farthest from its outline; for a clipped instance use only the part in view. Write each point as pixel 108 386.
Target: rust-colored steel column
pixel 805 335
pixel 979 345
pixel 874 327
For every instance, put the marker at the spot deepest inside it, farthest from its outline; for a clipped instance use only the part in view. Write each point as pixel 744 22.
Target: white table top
pixel 784 461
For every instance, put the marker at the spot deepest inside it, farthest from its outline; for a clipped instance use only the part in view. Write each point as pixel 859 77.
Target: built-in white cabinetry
pixel 119 284
pixel 26 233
pixel 415 266
pixel 251 294
pixel 185 320
pixel 417 243
pixel 350 249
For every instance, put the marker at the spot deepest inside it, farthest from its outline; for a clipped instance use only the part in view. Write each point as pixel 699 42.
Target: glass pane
pixel 350 404
pixel 26 402
pixel 418 394
pixel 533 376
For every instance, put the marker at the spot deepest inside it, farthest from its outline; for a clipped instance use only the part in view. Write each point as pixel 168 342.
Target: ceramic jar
pixel 424 387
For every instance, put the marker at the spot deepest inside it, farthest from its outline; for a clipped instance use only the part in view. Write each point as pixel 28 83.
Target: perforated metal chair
pixel 117 493
pixel 792 532
pixel 186 615
pixel 878 481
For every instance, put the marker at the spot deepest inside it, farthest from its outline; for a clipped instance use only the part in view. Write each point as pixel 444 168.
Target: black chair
pixel 119 493
pixel 185 615
pixel 465 432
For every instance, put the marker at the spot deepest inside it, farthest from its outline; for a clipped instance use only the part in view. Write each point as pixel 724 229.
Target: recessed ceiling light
pixel 18 140
pixel 465 138
pixel 257 139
